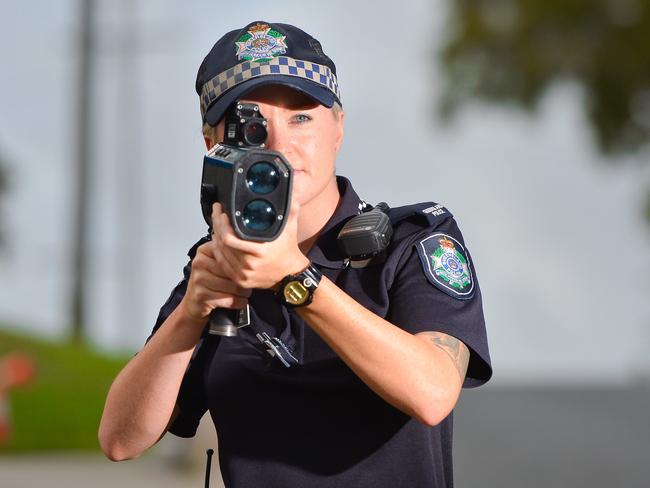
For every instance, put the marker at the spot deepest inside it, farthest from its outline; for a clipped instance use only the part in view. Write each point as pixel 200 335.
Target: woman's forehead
pixel 281 96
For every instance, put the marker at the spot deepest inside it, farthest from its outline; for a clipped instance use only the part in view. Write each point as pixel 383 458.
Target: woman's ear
pixel 340 131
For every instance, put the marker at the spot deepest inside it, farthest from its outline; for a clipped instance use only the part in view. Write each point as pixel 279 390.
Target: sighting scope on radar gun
pixel 253 186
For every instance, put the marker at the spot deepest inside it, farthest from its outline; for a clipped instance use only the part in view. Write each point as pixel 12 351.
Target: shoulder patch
pixel 446 265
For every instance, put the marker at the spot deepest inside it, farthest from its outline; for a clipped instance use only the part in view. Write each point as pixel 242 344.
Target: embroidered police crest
pixel 446 265
pixel 260 43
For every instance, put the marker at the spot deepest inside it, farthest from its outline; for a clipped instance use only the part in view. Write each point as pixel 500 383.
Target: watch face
pixel 295 293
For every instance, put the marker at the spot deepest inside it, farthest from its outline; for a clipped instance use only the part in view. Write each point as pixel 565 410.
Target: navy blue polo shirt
pixel 300 417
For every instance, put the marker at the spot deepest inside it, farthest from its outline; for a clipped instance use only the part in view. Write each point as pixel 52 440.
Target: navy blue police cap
pixel 262 54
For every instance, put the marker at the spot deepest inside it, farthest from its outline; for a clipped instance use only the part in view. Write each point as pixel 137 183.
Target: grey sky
pixel 562 254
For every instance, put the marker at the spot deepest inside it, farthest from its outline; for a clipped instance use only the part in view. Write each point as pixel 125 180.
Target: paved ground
pixel 84 471
pixel 519 438
pixel 161 468
pixel 550 437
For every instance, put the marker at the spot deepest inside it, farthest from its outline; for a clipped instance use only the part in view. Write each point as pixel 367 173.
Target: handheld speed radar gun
pixel 252 184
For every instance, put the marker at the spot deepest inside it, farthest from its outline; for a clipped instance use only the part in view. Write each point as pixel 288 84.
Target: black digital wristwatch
pixel 297 290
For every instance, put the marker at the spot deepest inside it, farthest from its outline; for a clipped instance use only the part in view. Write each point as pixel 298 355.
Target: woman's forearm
pixel 141 400
pixel 407 371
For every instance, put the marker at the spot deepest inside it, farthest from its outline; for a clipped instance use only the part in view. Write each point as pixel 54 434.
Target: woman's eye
pixel 302 118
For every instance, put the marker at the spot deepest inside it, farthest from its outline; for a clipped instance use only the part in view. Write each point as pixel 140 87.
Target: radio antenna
pixel 209 452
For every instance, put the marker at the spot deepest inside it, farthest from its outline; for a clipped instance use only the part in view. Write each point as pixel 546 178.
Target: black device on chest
pixel 367 235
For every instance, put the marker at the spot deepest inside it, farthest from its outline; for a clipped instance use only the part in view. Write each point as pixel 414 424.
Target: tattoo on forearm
pixel 454 348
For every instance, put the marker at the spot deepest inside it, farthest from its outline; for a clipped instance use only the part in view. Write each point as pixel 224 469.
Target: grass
pixel 60 409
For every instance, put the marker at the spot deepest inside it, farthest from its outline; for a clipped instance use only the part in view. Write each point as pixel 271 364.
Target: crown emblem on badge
pixel 446 244
pixel 449 266
pixel 260 43
pixel 259 28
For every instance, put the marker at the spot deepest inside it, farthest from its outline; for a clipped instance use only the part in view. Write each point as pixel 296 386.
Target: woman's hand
pixel 209 288
pixel 256 264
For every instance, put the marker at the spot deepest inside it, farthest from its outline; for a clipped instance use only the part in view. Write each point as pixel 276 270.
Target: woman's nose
pixel 278 138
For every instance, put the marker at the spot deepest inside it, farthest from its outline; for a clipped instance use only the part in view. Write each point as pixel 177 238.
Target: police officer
pixel 351 382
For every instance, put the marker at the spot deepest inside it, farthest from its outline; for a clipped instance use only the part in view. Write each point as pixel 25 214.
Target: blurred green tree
pixel 511 51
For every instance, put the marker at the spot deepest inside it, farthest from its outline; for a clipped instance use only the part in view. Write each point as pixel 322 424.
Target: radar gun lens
pixel 254 133
pixel 262 178
pixel 259 215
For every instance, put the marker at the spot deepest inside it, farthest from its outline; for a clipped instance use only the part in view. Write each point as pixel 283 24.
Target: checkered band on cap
pixel 281 65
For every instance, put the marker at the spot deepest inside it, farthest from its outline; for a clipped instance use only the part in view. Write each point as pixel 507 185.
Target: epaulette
pixel 425 213
pixel 192 252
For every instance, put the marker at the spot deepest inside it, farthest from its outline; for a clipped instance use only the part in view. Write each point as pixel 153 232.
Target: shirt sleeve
pixel 436 289
pixel 191 401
